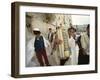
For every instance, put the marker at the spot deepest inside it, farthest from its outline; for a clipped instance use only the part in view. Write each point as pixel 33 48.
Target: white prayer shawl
pixel 61 46
pixel 85 42
pixel 30 53
pixel 64 51
pixel 74 51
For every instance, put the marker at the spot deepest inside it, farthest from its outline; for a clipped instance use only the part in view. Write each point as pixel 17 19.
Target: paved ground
pixel 51 59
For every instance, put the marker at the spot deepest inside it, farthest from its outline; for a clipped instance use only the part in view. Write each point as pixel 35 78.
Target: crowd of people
pixel 66 47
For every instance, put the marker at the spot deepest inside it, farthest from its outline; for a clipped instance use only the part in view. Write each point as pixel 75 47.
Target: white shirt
pixel 74 51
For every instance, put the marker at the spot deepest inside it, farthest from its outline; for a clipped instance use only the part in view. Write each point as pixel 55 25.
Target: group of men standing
pixel 65 46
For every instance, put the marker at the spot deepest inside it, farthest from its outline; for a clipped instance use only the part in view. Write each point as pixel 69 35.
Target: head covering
pixel 36 29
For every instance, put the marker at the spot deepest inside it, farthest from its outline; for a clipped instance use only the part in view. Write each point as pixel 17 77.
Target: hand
pixel 83 51
pixel 60 41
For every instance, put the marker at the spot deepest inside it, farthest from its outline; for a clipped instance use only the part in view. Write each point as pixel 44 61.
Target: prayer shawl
pixel 85 42
pixel 64 51
pixel 30 52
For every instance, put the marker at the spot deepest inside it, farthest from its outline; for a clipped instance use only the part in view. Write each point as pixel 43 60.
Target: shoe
pixel 48 65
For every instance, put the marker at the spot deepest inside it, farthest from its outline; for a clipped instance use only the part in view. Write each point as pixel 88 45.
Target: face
pixel 36 32
pixel 50 29
pixel 71 32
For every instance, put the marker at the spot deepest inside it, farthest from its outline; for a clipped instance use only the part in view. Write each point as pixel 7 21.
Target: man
pixel 84 45
pixel 61 45
pixel 50 35
pixel 40 44
pixel 74 49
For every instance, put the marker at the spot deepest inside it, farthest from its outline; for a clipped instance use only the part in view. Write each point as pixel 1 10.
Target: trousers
pixel 42 57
